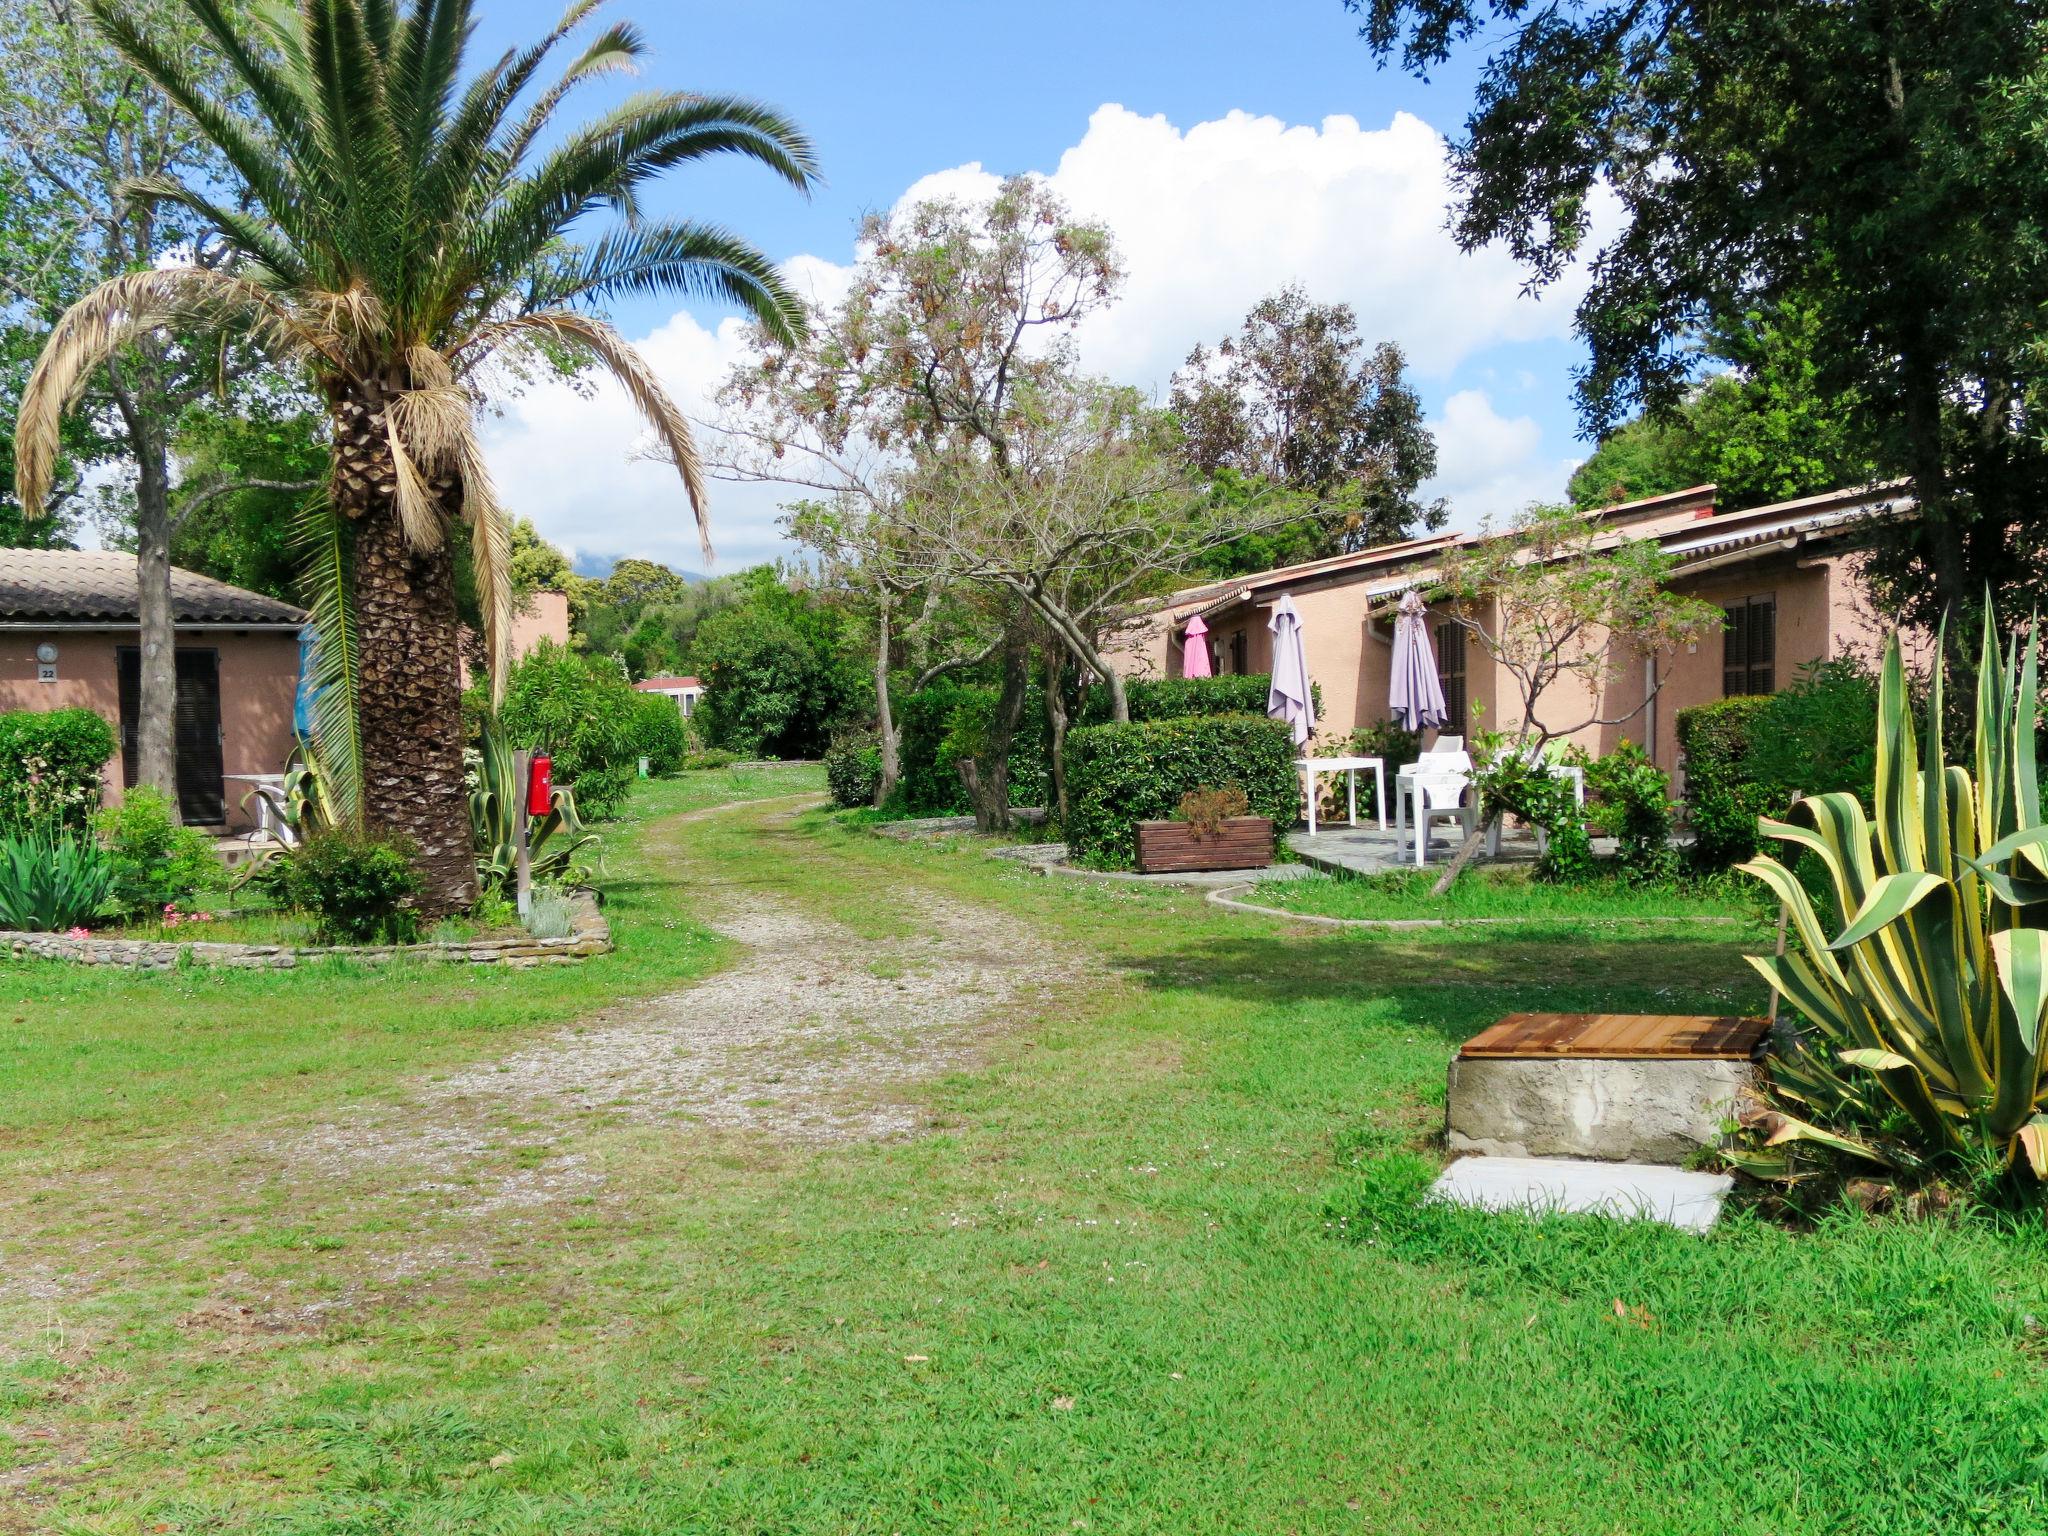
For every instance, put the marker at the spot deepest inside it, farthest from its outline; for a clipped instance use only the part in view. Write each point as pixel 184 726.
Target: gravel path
pixel 815 1035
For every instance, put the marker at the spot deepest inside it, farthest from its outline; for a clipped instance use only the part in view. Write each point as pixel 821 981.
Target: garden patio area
pixel 999 1203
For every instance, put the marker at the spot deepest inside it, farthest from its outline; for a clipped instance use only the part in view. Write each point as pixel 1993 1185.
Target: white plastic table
pixel 1312 767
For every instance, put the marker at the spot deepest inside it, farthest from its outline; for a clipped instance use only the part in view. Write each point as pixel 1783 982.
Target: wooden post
pixel 522 772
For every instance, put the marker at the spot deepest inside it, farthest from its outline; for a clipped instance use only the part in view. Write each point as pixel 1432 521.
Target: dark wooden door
pixel 202 798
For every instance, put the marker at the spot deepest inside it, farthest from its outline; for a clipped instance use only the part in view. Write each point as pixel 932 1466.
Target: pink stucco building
pixel 1786 577
pixel 68 639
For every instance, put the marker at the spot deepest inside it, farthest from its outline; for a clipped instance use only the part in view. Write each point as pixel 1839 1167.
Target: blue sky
pixel 1214 209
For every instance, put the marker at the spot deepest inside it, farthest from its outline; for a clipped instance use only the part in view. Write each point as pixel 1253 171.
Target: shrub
pixel 1632 798
pixel 710 757
pixel 1205 810
pixel 853 769
pixel 51 880
pixel 354 888
pixel 1508 782
pixel 1120 775
pixel 1721 799
pixel 583 713
pixel 156 861
pixel 659 734
pixel 551 913
pixel 50 767
pixel 1817 736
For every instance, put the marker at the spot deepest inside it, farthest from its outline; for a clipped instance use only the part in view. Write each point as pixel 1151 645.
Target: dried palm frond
pixel 490 536
pixel 120 311
pixel 418 513
pixel 599 341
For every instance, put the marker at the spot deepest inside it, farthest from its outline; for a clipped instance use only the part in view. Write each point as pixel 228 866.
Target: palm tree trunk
pixel 410 689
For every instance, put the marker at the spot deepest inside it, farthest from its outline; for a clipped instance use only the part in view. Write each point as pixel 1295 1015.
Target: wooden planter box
pixel 1243 842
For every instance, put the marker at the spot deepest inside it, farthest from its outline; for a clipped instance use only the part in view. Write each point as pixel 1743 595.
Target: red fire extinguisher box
pixel 540 786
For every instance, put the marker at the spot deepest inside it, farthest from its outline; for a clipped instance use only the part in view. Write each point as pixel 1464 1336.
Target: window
pixel 1450 672
pixel 1237 654
pixel 1749 646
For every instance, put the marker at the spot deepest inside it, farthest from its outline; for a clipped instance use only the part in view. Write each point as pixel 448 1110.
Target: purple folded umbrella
pixel 1415 697
pixel 1288 699
pixel 1194 656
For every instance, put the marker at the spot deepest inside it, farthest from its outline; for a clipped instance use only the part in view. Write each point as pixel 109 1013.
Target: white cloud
pixel 1490 465
pixel 1209 220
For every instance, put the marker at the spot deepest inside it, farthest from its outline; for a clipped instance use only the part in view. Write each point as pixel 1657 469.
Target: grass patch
pixel 1497 892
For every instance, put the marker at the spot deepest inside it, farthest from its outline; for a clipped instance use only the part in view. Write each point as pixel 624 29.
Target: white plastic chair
pixel 1437 787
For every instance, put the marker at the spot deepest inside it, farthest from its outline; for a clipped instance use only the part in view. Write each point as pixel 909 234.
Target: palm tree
pixel 396 226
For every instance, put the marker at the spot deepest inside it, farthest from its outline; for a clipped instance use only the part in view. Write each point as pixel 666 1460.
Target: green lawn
pixel 1154 1263
pixel 1499 893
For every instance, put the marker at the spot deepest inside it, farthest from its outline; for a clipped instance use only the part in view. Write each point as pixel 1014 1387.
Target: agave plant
pixel 560 850
pixel 51 881
pixel 1924 1012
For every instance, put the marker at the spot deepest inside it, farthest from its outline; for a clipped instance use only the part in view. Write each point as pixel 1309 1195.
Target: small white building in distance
pixel 684 690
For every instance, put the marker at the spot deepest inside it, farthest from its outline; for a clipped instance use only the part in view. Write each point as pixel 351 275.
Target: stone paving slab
pixel 1678 1197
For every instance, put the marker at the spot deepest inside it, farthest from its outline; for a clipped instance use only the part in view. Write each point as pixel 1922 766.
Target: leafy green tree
pixel 1297 400
pixel 392 223
pixel 538 566
pixel 1882 165
pixel 1764 431
pixel 956 316
pixel 244 478
pixel 780 667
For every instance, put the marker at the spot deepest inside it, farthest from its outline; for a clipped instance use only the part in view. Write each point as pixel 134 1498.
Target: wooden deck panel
pixel 1620 1037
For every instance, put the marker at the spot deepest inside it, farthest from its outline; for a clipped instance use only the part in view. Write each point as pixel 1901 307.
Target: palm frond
pixel 597 340
pixel 490 538
pixel 605 161
pixel 700 260
pixel 321 538
pixel 119 311
pixel 265 166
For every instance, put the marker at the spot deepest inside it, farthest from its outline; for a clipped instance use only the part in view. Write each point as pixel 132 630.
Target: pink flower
pixel 78 933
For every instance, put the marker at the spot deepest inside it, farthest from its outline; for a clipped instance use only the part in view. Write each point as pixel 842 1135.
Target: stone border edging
pixel 589 935
pixel 1225 896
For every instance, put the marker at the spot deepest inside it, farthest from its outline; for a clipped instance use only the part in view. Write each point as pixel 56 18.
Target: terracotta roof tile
pixel 85 586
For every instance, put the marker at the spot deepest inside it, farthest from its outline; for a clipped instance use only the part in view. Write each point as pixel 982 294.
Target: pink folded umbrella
pixel 1194 656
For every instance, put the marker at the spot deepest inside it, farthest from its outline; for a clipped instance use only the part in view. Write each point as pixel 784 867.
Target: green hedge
pixel 1120 775
pixel 949 720
pixel 1178 698
pixel 50 766
pixel 1720 798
